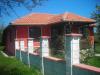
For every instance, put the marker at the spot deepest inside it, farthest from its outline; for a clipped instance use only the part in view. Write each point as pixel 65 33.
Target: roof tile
pixel 41 18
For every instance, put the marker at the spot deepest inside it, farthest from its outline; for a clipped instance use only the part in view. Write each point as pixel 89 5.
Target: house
pixel 37 25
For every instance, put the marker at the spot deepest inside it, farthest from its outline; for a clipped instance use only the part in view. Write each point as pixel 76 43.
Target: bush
pixel 85 54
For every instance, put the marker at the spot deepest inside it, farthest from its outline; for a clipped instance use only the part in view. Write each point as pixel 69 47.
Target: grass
pixel 97 44
pixel 94 61
pixel 11 66
pixel 97 47
pixel 60 55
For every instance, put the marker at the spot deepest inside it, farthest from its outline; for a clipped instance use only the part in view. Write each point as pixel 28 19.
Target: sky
pixel 81 7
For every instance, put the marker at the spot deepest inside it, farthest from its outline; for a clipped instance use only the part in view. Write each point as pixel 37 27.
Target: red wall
pixel 22 33
pixel 91 36
pixel 75 29
pixel 46 31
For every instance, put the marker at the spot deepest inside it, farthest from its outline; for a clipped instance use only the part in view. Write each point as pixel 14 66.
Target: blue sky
pixel 81 7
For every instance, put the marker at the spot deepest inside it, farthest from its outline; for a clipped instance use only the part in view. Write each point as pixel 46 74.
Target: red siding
pixel 91 36
pixel 46 31
pixel 91 31
pixel 75 29
pixel 22 32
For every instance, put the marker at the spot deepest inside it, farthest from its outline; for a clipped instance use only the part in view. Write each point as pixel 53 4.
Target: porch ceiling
pixel 48 19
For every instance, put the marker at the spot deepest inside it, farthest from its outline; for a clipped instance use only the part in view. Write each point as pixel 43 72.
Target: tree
pixel 96 16
pixel 1 32
pixel 9 5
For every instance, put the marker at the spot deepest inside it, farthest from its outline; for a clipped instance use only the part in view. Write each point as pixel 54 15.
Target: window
pixel 68 29
pixel 84 31
pixel 35 32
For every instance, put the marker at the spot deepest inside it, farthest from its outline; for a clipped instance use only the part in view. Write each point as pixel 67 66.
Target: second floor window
pixel 35 32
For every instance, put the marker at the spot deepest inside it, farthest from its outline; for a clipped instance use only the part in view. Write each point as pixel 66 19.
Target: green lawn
pixel 97 44
pixel 11 66
pixel 97 47
pixel 94 61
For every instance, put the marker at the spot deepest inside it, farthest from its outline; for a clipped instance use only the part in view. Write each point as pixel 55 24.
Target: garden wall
pixel 82 69
pixel 55 66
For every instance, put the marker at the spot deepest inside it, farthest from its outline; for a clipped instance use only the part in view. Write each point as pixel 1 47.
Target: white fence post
pixel 30 49
pixel 72 50
pixel 44 47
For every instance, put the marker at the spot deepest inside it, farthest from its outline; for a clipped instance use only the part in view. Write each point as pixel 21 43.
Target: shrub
pixel 85 54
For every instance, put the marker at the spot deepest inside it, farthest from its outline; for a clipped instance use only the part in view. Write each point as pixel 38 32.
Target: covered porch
pixel 52 30
pixel 54 35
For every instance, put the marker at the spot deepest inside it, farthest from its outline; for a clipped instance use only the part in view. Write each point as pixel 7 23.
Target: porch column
pixel 72 50
pixel 91 37
pixel 22 48
pixel 30 45
pixel 44 45
pixel 16 45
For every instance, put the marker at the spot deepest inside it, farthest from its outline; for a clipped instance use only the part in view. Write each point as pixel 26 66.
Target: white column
pixel 22 48
pixel 44 44
pixel 44 49
pixel 30 45
pixel 22 45
pixel 72 50
pixel 30 49
pixel 16 45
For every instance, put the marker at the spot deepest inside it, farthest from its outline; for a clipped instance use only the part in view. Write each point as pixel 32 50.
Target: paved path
pixel 97 55
pixel 4 54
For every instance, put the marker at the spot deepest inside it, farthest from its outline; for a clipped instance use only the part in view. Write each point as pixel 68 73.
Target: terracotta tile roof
pixel 41 18
pixel 74 17
pixel 35 18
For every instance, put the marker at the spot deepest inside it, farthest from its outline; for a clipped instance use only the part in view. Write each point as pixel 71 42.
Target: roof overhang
pixel 49 19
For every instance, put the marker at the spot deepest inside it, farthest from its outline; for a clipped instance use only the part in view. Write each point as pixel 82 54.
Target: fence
pixel 55 66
